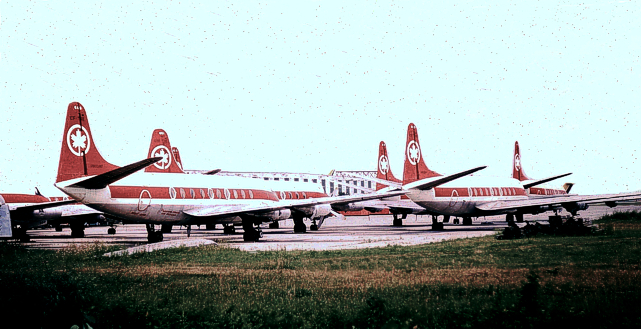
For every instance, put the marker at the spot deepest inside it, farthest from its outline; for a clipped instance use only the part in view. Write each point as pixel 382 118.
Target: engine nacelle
pixel 315 212
pixel 573 208
pixel 280 214
pixel 352 206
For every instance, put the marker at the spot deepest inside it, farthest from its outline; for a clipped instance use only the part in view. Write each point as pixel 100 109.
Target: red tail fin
pixel 79 155
pixel 160 147
pixel 415 167
pixel 517 167
pixel 174 151
pixel 384 168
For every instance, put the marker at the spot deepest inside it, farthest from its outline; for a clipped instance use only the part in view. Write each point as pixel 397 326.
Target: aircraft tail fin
pixel 517 166
pixel 384 169
pixel 161 147
pixel 415 168
pixel 79 155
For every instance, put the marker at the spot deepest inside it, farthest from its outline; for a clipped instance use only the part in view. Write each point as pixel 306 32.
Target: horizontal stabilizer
pixel 102 180
pixel 213 172
pixel 541 181
pixel 428 183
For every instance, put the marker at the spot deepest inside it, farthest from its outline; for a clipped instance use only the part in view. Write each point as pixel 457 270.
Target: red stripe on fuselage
pixel 23 198
pixel 546 191
pixel 134 192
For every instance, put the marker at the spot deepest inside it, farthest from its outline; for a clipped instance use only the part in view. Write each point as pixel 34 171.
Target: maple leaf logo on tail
pixel 163 152
pixel 517 162
pixel 383 164
pixel 78 140
pixel 413 152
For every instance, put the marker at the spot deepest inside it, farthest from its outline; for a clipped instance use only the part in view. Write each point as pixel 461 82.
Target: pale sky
pixel 310 86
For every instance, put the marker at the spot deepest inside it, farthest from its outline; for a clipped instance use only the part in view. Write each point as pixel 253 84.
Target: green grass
pixel 481 282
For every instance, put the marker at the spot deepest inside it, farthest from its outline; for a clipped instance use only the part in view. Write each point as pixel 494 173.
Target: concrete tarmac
pixel 352 233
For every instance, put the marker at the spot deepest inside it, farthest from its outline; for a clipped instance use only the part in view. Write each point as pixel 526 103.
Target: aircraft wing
pixel 406 209
pixel 236 210
pixel 588 199
pixel 79 210
pixel 43 205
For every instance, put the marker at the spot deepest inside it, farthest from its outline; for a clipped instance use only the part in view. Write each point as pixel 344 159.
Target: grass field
pixel 536 282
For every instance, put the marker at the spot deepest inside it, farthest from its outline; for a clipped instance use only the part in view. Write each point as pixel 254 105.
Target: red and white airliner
pixel 20 212
pixel 475 196
pixel 518 173
pixel 160 146
pixel 179 199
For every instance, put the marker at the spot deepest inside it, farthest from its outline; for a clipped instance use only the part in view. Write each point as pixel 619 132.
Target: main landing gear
pixel 436 226
pixel 229 229
pixel 398 221
pixel 111 230
pixel 153 235
pixel 299 225
pixel 210 226
pixel 20 233
pixel 509 218
pixel 314 226
pixel 251 234
pixel 467 221
pixel 166 228
pixel 77 229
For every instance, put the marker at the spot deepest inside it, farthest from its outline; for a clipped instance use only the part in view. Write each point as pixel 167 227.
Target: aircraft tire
pixel 111 231
pixel 274 225
pixel 313 227
pixel 251 236
pixel 58 228
pixel 437 226
pixel 467 221
pixel 210 226
pixel 397 222
pixel 300 228
pixel 166 228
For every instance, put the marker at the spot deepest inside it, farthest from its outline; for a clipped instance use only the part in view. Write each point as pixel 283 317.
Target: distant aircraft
pixel 519 173
pixel 25 211
pixel 179 199
pixel 476 196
